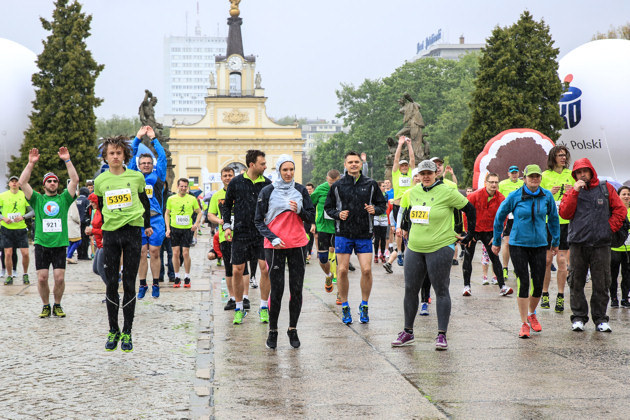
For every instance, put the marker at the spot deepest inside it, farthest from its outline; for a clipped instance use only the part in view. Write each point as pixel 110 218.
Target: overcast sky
pixel 305 48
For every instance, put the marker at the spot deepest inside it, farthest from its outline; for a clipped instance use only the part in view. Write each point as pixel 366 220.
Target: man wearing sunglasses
pixel 51 228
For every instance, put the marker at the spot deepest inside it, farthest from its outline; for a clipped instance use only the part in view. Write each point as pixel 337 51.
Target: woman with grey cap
pixel 282 209
pixel 428 222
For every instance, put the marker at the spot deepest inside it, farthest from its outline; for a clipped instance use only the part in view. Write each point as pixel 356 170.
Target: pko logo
pixel 51 208
pixel 571 105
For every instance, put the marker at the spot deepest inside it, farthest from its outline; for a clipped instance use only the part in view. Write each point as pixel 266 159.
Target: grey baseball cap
pixel 427 165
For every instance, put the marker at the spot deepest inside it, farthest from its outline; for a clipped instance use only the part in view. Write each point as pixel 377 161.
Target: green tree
pixel 621 32
pixel 517 86
pixel 442 87
pixel 63 109
pixel 117 126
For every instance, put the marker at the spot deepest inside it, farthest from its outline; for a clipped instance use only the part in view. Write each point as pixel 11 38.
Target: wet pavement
pixel 189 361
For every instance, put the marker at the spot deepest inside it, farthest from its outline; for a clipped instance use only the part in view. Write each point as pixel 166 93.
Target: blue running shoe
pixel 363 314
pixel 155 291
pixel 347 317
pixel 424 309
pixel 142 291
pixel 400 260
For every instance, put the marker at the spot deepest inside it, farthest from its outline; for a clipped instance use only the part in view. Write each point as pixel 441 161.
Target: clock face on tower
pixel 235 63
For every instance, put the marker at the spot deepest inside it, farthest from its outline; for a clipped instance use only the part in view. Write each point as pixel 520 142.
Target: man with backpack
pixel 594 210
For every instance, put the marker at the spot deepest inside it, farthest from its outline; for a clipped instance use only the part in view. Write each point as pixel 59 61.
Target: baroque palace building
pixel 235 121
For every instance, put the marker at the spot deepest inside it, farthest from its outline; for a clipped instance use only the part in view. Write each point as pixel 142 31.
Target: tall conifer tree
pixel 517 86
pixel 63 109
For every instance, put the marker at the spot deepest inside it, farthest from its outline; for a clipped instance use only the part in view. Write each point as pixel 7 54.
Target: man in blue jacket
pixel 154 176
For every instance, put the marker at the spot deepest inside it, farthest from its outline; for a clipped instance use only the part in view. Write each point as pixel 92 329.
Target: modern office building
pixel 315 131
pixel 445 50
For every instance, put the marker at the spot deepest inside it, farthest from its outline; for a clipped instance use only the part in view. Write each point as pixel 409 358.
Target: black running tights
pixel 276 259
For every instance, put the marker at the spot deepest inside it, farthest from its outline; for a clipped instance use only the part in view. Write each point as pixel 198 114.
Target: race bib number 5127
pixel 420 214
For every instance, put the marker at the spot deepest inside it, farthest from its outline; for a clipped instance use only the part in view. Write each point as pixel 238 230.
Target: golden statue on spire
pixel 234 12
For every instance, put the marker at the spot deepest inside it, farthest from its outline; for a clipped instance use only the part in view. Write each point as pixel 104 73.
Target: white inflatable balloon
pixel 17 65
pixel 596 109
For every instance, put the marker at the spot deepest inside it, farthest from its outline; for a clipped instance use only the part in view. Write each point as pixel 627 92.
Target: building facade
pixel 448 51
pixel 315 131
pixel 234 121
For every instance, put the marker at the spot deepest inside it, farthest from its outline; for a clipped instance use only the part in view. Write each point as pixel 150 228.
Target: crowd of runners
pixel 419 221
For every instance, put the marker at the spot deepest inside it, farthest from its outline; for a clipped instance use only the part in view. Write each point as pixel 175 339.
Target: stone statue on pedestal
pixel 146 112
pixel 258 80
pixel 212 82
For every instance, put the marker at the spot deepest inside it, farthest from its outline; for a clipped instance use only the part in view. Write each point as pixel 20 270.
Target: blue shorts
pixel 159 231
pixel 346 245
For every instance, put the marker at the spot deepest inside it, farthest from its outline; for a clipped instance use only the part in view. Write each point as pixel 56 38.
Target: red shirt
pixel 485 209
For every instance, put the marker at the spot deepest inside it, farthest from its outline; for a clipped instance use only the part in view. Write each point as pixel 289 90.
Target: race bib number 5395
pixel 118 199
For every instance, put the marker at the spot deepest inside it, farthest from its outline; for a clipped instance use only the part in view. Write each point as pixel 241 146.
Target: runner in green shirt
pixel 325 226
pixel 180 208
pixel 14 209
pixel 401 182
pixel 51 228
pixel 512 183
pixel 126 211
pixel 557 179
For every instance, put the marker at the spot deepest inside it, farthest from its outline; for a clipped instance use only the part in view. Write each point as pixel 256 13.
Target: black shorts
pixel 508 227
pixel 247 250
pixel 45 256
pixel 181 237
pixel 325 241
pixel 564 238
pixel 14 238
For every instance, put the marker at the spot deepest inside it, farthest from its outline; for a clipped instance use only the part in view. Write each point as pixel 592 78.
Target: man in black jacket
pixel 247 243
pixel 83 204
pixel 353 201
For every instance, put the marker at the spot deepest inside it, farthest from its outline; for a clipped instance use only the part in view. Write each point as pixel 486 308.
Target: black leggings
pixel 379 239
pixel 617 259
pixel 275 261
pixel 425 292
pixel 536 259
pixel 469 252
pixel 13 258
pixel 126 241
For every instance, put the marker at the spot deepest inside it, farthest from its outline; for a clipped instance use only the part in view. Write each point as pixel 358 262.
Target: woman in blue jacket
pixel 534 210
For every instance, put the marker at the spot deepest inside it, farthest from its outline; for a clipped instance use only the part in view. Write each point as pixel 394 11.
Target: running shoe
pixel 219 263
pixel 25 279
pixel 494 280
pixel 559 304
pixel 246 304
pixel 45 312
pixel 338 300
pixel 230 305
pixel 383 258
pixel 351 267
pixel 403 339
pixel 272 340
pixel 264 315
pixel 625 303
pixel 334 280
pixel 388 267
pixel 376 259
pixel 604 327
pixel 293 338
pixel 253 282
pixel 506 290
pixel 467 291
pixel 533 321
pixel 328 284
pixel 112 340
pixel 401 260
pixel 505 273
pixel 347 317
pixel 524 333
pixel 57 311
pixel 142 290
pixel 126 344
pixel 455 262
pixel 578 326
pixel 544 303
pixel 187 283
pixel 8 281
pixel 440 342
pixel 553 267
pixel 484 280
pixel 614 302
pixel 363 314
pixel 155 291
pixel 424 309
pixel 178 283
pixel 238 317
